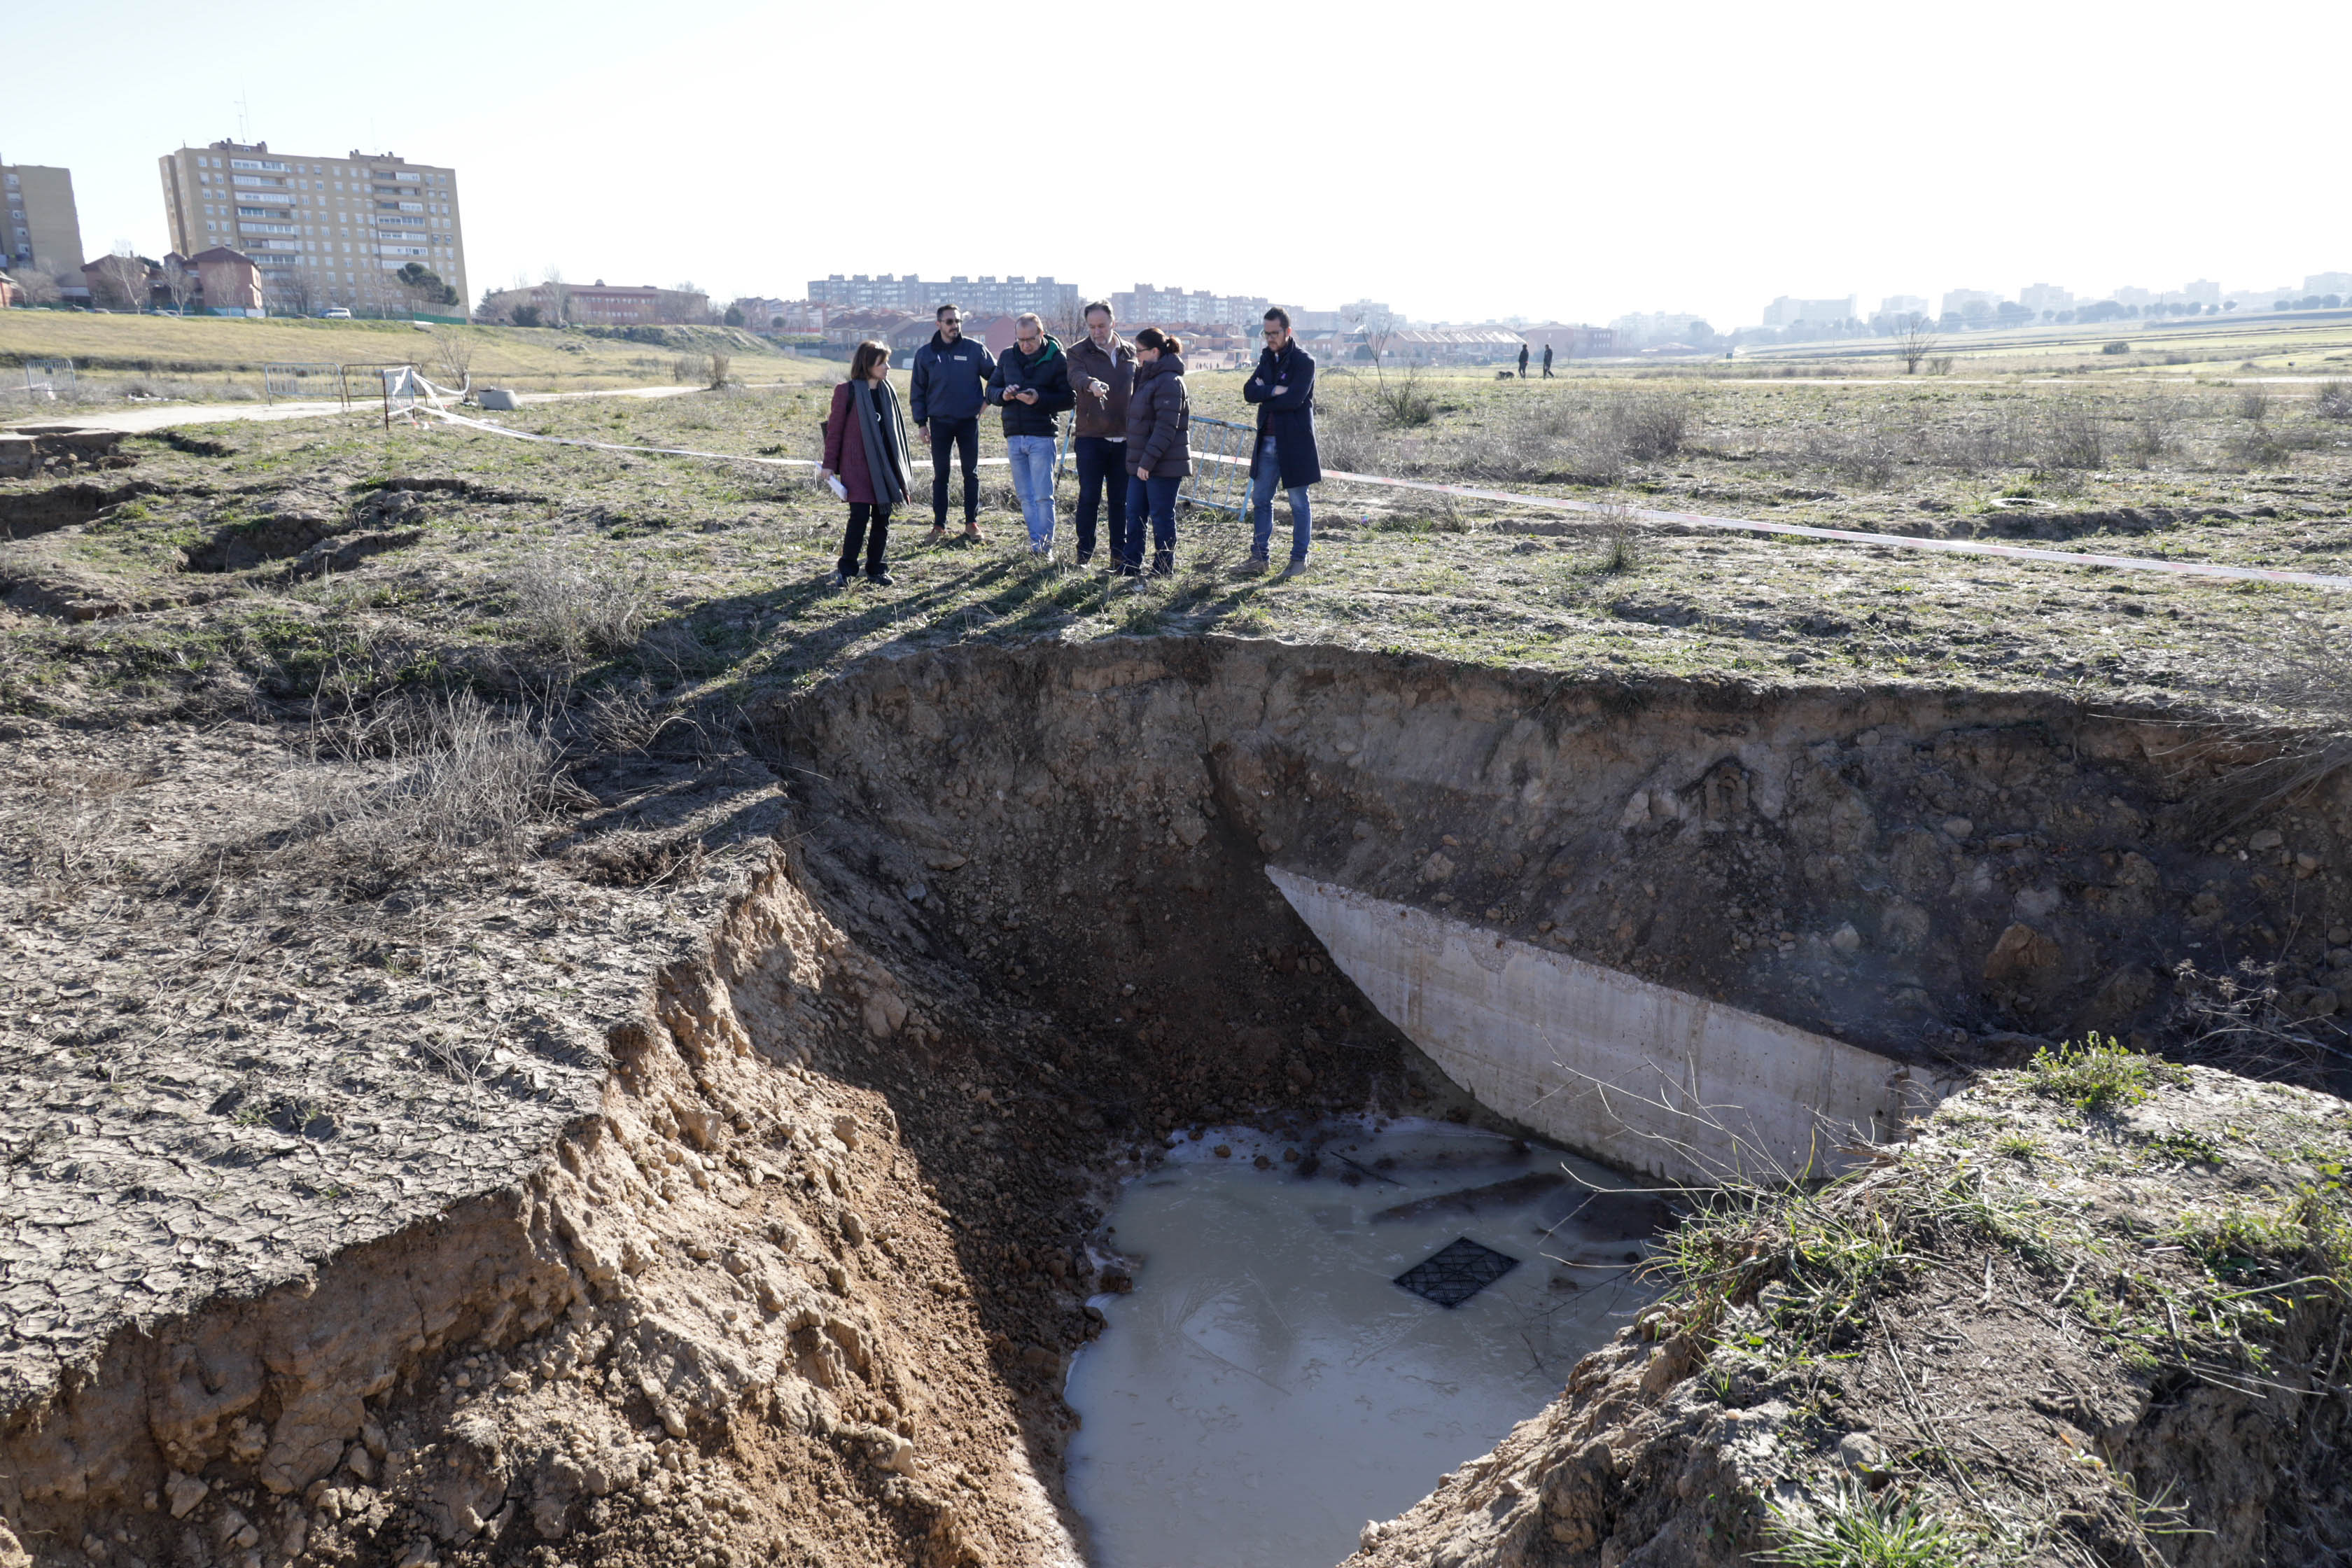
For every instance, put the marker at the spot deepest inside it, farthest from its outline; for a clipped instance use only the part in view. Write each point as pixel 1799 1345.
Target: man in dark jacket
pixel 1102 373
pixel 1032 385
pixel 1523 362
pixel 950 387
pixel 1282 388
pixel 1547 376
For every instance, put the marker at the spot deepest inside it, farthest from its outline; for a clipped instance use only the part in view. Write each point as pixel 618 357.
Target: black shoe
pixel 838 580
pixel 1084 556
pixel 882 578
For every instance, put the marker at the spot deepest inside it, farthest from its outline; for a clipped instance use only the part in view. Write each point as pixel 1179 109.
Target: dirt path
pixel 136 420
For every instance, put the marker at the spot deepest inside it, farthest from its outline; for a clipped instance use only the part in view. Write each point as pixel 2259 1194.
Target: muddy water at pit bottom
pixel 1266 1388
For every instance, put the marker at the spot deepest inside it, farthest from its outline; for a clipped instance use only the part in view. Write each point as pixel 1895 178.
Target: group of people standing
pixel 1131 417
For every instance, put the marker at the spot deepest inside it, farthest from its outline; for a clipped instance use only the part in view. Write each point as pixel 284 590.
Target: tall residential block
pixel 977 295
pixel 324 231
pixel 40 232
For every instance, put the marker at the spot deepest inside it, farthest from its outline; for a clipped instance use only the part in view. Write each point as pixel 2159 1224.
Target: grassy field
pixel 2301 342
pixel 220 357
pixel 715 573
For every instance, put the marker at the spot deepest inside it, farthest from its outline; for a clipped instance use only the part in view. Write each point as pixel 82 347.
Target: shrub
pixel 2072 436
pixel 2092 1075
pixel 1404 404
pixel 2335 400
pixel 2117 347
pixel 573 608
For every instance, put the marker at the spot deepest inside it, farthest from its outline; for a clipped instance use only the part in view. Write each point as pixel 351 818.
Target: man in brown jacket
pixel 1102 373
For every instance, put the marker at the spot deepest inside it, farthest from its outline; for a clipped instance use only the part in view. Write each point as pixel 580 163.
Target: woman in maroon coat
pixel 865 459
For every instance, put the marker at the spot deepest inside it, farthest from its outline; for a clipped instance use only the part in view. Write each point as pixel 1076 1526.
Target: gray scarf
pixel 885 461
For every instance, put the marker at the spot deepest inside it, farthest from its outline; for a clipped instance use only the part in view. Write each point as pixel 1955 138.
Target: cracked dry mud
pixel 703 1167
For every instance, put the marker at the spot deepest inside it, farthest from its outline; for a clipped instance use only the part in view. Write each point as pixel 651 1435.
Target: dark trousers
pixel 1100 458
pixel 1156 498
pixel 1546 370
pixel 955 436
pixel 875 543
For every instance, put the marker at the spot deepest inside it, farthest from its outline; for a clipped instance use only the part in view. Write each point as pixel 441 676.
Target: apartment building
pixel 324 232
pixel 1787 311
pixel 987 296
pixel 1144 306
pixel 40 231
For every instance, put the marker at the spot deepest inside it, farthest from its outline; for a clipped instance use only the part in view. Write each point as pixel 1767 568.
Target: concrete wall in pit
pixel 1646 1077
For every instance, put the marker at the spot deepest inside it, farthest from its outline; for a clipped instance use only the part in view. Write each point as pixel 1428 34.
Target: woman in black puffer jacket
pixel 1158 454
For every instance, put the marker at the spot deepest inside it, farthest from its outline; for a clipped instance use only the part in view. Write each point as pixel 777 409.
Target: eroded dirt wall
pixel 1925 873
pixel 727 1322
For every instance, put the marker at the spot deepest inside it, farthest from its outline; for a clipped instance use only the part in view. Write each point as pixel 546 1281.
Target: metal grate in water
pixel 1456 1271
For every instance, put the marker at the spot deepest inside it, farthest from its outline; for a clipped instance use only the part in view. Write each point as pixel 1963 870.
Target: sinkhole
pixel 1142 902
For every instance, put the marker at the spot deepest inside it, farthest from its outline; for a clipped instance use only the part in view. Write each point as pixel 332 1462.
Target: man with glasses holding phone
pixel 1282 388
pixel 947 390
pixel 1032 385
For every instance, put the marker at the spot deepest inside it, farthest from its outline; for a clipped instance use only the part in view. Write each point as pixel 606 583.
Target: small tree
pixel 180 283
pixel 1915 340
pixel 525 315
pixel 40 287
pixel 557 310
pixel 126 275
pixel 424 287
pixel 292 295
pixel 453 355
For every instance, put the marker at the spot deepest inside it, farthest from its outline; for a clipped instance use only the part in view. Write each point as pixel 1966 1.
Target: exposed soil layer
pixel 27 512
pixel 799 1283
pixel 1931 875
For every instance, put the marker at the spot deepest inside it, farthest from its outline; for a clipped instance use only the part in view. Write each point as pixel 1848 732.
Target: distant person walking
pixel 1159 447
pixel 1282 388
pixel 1102 374
pixel 1547 362
pixel 948 389
pixel 1523 362
pixel 1032 385
pixel 866 455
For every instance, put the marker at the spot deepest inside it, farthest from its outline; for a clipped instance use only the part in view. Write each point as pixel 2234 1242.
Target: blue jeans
pixel 1262 488
pixel 1033 483
pixel 1100 459
pixel 1157 497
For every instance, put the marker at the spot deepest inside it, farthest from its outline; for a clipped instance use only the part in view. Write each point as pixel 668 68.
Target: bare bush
pixel 1648 426
pixel 2254 404
pixel 2335 400
pixel 575 608
pixel 1620 538
pixel 1404 404
pixel 2072 436
pixel 453 355
pixel 455 777
pixel 1349 437
pixel 690 370
pixel 2155 427
pixel 1868 456
pixel 2243 1021
pixel 719 365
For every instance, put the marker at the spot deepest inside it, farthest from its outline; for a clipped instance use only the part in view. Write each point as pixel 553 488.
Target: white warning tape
pixel 1560 503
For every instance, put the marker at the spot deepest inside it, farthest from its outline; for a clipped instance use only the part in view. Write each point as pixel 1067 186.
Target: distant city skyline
pixel 609 148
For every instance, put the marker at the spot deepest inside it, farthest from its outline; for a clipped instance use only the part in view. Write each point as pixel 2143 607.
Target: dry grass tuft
pixel 576 608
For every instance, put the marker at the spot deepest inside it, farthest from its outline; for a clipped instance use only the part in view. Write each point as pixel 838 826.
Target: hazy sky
pixel 1542 159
